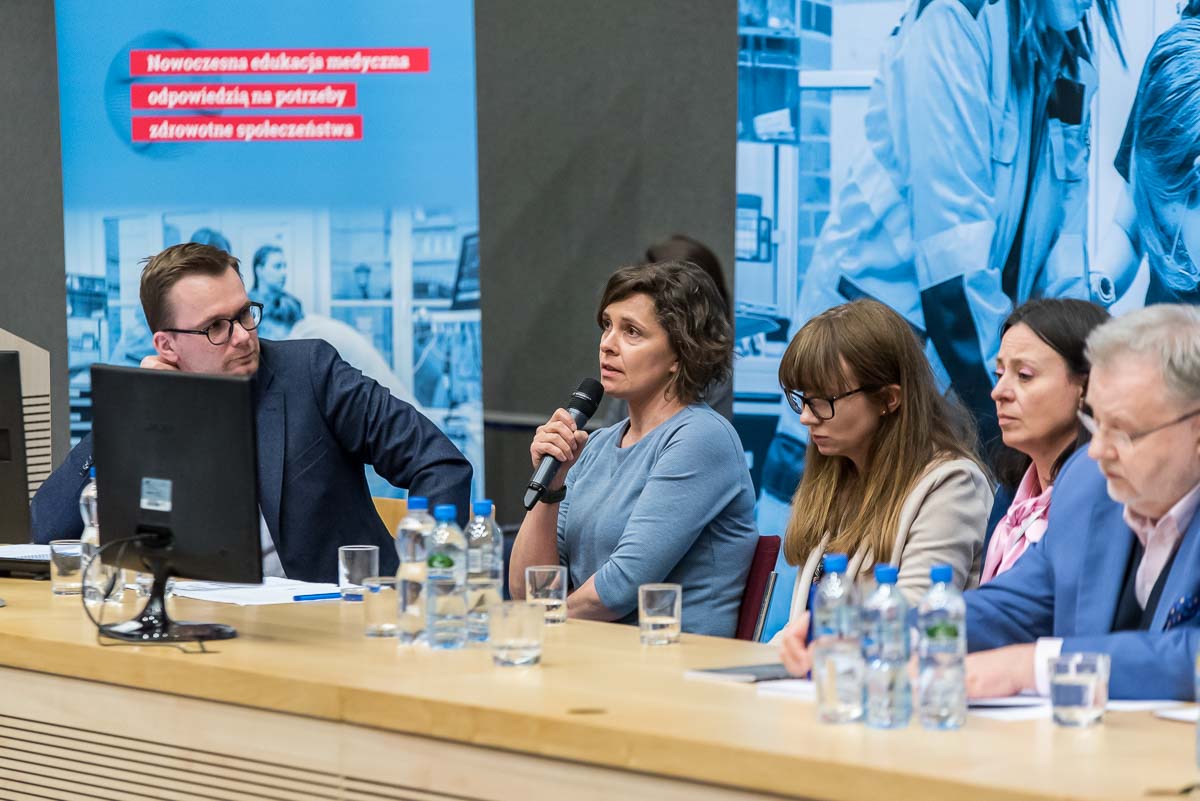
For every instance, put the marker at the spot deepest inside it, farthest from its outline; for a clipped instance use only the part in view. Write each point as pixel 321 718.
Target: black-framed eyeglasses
pixel 1122 440
pixel 220 330
pixel 822 408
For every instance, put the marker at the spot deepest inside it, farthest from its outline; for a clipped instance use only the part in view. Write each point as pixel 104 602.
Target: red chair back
pixel 761 567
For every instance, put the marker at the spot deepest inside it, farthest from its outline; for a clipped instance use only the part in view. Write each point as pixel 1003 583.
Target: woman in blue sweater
pixel 663 495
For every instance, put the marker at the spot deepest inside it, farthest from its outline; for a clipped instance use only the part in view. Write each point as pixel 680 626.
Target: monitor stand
pixel 153 624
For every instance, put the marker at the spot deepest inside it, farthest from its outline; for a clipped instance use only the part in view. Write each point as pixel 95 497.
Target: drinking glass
pixel 356 563
pixel 546 585
pixel 381 606
pixel 660 610
pixel 515 633
pixel 1079 688
pixel 66 567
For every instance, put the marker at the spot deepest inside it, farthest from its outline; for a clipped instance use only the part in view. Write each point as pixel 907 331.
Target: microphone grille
pixel 588 396
pixel 592 389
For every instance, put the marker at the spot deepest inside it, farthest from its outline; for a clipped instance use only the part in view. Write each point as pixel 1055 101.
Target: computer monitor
pixel 14 478
pixel 466 281
pixel 175 458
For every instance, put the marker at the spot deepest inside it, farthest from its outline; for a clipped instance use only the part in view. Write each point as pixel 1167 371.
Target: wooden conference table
pixel 302 706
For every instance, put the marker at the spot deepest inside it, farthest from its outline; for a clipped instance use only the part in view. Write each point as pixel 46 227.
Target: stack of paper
pixel 26 552
pixel 273 590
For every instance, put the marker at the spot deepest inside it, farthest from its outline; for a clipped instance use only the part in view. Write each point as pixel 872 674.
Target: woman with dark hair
pixel 680 247
pixel 663 495
pixel 1041 375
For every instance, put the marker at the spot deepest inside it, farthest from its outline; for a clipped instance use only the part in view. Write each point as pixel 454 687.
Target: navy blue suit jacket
pixel 319 421
pixel 1068 586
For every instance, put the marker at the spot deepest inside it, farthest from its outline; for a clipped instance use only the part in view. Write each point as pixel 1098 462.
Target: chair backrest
pixel 755 599
pixel 391 511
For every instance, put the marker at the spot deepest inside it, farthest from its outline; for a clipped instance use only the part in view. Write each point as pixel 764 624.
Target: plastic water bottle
pixel 942 650
pixel 498 551
pixel 411 537
pixel 483 569
pixel 1197 690
pixel 885 649
pixel 446 581
pixel 96 581
pixel 1196 679
pixel 836 648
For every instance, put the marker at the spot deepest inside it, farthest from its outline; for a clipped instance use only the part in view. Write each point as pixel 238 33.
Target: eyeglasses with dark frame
pixel 1122 440
pixel 822 408
pixel 220 330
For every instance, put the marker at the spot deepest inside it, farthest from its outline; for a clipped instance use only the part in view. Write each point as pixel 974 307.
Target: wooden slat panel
pixel 219 752
pixel 103 752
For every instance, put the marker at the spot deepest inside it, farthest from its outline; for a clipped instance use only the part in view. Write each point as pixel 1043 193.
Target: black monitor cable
pixel 110 586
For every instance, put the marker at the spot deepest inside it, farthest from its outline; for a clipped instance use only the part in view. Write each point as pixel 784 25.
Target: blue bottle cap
pixel 886 574
pixel 445 511
pixel 835 562
pixel 417 503
pixel 941 574
pixel 92 471
pixel 482 508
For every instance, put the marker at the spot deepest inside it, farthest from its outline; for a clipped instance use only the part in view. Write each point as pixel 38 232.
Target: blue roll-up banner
pixel 330 147
pixel 927 155
pixel 952 159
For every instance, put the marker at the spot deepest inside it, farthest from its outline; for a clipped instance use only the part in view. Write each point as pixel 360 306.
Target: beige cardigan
pixel 943 521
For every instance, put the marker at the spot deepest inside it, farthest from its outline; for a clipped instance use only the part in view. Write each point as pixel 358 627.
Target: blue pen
pixel 318 596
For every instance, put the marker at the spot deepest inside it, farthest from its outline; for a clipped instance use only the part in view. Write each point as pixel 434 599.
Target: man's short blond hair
pixel 165 269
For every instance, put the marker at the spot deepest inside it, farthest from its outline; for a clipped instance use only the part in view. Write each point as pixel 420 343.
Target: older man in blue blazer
pixel 1118 570
pixel 318 421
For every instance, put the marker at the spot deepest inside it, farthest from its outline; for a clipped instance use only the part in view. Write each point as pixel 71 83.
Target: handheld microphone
pixel 581 407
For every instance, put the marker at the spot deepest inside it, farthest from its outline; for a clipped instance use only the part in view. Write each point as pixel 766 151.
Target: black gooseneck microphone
pixel 581 407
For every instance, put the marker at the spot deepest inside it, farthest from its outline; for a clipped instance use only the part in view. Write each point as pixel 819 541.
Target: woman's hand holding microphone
pixel 560 439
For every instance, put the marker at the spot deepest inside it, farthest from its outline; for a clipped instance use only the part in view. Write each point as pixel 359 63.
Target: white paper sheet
pixel 1035 708
pixel 1012 708
pixel 273 590
pixel 800 689
pixel 1006 702
pixel 1182 714
pixel 28 552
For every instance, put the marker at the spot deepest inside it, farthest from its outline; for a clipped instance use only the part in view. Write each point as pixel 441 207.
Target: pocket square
pixel 1183 610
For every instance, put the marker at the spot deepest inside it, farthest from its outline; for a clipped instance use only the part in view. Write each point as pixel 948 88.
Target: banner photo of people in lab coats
pixel 953 159
pixel 329 147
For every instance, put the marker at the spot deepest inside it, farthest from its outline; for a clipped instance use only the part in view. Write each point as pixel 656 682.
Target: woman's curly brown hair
pixel 689 307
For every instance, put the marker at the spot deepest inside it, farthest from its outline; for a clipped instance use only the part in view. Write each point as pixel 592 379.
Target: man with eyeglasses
pixel 318 422
pixel 1118 570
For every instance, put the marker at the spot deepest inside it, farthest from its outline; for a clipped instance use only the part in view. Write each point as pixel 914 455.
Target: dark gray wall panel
pixel 603 127
pixel 33 302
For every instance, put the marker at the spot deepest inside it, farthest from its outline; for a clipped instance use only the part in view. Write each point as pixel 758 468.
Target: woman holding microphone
pixel 663 495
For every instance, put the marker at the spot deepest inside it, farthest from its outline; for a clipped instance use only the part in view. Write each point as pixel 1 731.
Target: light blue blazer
pixel 1068 586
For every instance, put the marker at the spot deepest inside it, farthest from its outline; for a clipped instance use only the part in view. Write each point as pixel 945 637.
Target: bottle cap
pixel 92 471
pixel 941 574
pixel 444 512
pixel 417 503
pixel 886 574
pixel 483 508
pixel 835 562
